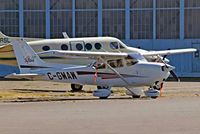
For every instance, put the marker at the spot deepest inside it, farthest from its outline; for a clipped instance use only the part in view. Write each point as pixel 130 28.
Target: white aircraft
pixel 129 70
pixel 92 44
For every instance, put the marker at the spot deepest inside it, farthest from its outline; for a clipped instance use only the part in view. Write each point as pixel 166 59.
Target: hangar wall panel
pixel 86 23
pixel 61 21
pixel 10 22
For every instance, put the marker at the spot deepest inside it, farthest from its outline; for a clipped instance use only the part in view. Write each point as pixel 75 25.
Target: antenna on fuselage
pixel 65 35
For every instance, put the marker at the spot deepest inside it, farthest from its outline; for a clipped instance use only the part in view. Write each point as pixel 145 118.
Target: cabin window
pixel 79 46
pixel 88 46
pixel 115 63
pixel 97 46
pixel 45 48
pixel 114 45
pixel 64 47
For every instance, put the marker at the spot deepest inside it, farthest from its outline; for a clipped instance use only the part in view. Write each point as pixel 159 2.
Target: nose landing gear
pixel 154 91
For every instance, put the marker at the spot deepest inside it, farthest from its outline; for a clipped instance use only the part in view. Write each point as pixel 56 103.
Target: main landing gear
pixel 76 87
pixel 102 92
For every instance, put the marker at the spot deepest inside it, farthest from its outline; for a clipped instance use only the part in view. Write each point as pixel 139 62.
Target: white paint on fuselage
pixel 140 74
pixel 55 44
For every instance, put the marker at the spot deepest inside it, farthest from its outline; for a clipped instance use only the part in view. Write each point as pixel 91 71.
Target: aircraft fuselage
pixel 139 74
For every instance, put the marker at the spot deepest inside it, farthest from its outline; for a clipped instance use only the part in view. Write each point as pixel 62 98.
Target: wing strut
pixel 117 73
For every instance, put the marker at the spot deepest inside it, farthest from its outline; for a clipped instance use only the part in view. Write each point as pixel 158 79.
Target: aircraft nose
pixel 166 60
pixel 170 67
pixel 167 67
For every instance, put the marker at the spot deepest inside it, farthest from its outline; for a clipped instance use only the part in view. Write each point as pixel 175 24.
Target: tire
pixel 76 87
pixel 103 98
pixel 136 96
pixel 155 97
pixel 99 87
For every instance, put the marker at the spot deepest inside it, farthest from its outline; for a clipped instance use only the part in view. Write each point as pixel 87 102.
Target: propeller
pixel 174 75
pixel 164 57
pixel 171 72
pixel 167 66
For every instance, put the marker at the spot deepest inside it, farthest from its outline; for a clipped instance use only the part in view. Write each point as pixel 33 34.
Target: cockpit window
pixel 115 63
pixel 100 66
pixel 112 63
pixel 121 46
pixel 130 61
pixel 119 63
pixel 114 45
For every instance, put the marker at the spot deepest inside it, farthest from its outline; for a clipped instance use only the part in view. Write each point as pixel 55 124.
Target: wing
pixel 25 76
pixel 83 54
pixel 169 52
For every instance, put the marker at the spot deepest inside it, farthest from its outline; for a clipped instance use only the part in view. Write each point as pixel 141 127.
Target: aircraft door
pixel 77 46
pixel 196 58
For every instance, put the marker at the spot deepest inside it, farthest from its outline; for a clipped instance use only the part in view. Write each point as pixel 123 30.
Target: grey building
pixel 149 24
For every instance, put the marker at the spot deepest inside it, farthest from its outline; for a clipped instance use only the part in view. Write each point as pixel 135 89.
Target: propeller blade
pixel 171 72
pixel 174 75
pixel 164 57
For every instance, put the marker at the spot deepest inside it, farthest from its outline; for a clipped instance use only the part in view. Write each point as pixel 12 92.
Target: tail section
pixel 27 59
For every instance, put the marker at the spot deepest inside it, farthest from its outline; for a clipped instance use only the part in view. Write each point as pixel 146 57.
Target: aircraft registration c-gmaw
pixel 129 70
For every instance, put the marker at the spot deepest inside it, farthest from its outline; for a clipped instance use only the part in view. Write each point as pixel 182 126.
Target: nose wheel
pixel 154 91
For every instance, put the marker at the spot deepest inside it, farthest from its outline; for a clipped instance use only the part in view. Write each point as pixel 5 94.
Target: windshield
pixel 121 44
pixel 138 56
pixel 114 45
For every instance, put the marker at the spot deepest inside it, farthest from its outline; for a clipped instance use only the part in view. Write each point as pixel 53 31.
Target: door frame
pixel 76 42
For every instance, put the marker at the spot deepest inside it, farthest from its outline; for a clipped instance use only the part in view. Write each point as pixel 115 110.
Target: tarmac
pixel 177 112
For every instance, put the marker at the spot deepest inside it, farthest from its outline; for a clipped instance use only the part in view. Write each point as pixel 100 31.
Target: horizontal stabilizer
pixel 25 76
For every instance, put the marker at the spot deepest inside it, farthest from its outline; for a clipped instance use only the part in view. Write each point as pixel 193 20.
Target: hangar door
pixel 196 58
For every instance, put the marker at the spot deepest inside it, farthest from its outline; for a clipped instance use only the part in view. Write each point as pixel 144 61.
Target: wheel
pixel 76 87
pixel 136 96
pixel 154 97
pixel 99 87
pixel 102 92
pixel 103 98
pixel 152 93
pixel 103 87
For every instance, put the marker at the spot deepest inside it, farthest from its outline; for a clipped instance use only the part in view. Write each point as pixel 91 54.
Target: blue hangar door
pixel 196 58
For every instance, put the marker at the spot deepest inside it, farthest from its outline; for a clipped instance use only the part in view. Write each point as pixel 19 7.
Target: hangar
pixel 148 24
